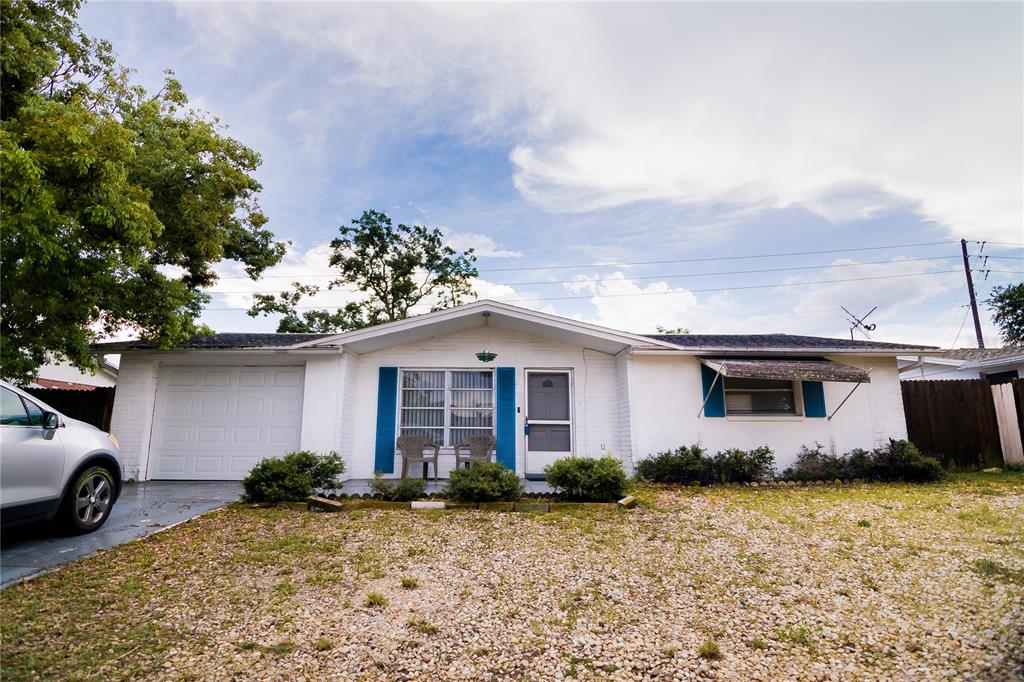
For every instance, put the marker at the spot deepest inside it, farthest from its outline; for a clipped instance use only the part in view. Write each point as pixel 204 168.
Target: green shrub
pixel 293 477
pixel 817 465
pixel 483 482
pixel 688 465
pixel 682 466
pixel 586 479
pixel 899 461
pixel 402 490
pixel 744 466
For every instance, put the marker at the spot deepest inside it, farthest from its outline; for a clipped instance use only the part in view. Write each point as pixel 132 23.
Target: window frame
pixel 446 428
pixel 798 402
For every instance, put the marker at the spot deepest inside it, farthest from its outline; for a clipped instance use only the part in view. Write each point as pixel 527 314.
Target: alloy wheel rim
pixel 93 499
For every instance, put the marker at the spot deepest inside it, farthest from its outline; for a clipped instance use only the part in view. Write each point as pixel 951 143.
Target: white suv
pixel 54 467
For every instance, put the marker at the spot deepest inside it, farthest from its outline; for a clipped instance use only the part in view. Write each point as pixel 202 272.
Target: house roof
pixel 508 317
pixel 985 354
pixel 781 342
pixel 221 341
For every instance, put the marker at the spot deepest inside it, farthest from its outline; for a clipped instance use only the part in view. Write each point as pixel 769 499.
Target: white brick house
pixel 213 407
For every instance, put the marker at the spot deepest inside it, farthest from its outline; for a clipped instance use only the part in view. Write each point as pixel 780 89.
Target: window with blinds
pixel 447 405
pixel 759 397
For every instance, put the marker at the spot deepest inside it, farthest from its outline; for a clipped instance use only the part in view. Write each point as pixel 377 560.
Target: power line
pixel 666 262
pixel 700 291
pixel 673 276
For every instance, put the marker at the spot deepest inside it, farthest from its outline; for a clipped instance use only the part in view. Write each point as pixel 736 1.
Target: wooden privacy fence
pixel 94 407
pixel 965 421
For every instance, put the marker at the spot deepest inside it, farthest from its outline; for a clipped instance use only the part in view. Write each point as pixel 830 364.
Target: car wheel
pixel 89 501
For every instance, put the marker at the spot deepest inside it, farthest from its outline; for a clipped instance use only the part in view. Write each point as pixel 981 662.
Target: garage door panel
pixel 288 377
pixel 217 422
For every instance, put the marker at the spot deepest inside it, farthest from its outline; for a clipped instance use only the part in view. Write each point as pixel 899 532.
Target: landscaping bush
pixel 293 477
pixel 900 460
pixel 402 490
pixel 586 479
pixel 817 465
pixel 682 466
pixel 744 466
pixel 483 482
pixel 689 464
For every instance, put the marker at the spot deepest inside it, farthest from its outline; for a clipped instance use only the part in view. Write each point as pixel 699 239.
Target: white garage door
pixel 215 423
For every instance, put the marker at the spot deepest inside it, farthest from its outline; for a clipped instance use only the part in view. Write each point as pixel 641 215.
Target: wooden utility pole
pixel 970 291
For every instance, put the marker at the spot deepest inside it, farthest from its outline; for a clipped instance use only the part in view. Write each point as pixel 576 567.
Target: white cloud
pixel 483 246
pixel 850 110
pixel 621 303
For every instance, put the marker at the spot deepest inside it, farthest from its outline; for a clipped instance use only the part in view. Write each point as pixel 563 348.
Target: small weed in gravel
pixel 992 569
pixel 864 523
pixel 421 625
pixel 376 600
pixel 796 635
pixel 323 644
pixel 409 583
pixel 709 650
pixel 756 643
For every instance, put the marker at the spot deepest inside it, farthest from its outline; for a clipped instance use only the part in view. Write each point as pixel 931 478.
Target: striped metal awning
pixel 807 369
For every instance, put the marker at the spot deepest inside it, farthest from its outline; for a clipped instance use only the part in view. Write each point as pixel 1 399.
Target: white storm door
pixel 548 418
pixel 215 423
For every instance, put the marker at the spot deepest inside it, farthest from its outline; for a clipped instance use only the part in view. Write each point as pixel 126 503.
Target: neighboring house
pixel 67 376
pixel 215 406
pixel 998 365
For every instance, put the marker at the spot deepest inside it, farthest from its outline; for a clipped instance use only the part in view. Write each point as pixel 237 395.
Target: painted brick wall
pixel 132 417
pixel 625 422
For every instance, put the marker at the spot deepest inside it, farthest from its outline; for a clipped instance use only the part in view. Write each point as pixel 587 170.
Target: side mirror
pixel 50 420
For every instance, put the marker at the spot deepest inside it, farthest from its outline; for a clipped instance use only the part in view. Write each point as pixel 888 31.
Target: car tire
pixel 89 501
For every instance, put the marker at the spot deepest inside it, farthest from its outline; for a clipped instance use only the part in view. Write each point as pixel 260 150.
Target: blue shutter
pixel 814 399
pixel 506 417
pixel 715 405
pixel 387 406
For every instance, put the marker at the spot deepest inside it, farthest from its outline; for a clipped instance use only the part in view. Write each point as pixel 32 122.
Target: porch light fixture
pixel 486 355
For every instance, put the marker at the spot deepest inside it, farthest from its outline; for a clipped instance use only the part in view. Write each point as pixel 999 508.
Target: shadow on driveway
pixel 143 508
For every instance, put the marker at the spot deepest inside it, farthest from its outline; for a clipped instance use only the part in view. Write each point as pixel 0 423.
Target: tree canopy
pixel 397 267
pixel 1007 306
pixel 116 202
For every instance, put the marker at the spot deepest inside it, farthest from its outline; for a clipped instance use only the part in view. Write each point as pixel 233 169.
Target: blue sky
pixel 560 135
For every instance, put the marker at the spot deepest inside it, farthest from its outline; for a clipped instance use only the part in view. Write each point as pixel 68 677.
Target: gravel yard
pixel 862 582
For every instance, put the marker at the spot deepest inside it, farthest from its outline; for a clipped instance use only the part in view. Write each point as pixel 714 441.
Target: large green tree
pixel 1007 306
pixel 116 202
pixel 395 267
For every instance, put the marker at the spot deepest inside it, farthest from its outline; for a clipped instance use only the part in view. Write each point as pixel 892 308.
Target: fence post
pixel 1009 429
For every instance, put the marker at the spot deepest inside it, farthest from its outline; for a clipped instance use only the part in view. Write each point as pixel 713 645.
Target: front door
pixel 548 419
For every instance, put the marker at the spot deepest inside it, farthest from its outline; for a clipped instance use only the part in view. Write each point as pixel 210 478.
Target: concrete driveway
pixel 143 508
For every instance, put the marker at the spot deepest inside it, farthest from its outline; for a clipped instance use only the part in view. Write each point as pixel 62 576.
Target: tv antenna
pixel 858 322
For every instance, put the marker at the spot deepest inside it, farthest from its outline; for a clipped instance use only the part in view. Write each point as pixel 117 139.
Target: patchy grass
pixel 870 578
pixel 709 650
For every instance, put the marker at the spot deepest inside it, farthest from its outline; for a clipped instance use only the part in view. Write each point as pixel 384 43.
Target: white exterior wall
pixel 131 420
pixel 938 371
pixel 63 371
pixel 666 395
pixel 321 412
pixel 595 406
pixel 627 439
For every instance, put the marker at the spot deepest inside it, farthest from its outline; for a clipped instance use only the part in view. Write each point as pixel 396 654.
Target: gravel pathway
pixel 869 582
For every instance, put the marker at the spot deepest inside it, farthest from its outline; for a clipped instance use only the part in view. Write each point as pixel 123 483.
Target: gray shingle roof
pixel 983 354
pixel 754 342
pixel 225 341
